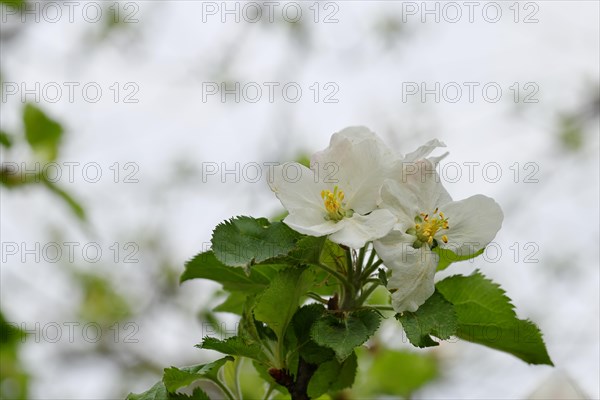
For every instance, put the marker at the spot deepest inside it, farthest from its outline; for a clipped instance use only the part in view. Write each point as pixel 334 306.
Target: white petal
pixel 360 229
pixel 295 186
pixel 357 161
pixel 310 221
pixel 401 201
pixel 436 160
pixel 393 245
pixel 356 135
pixel 473 224
pixel 412 270
pixel 417 184
pixel 423 151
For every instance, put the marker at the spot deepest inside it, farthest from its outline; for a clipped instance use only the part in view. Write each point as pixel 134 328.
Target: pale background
pixel 368 53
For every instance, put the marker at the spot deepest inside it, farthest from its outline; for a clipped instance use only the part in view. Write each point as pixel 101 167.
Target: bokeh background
pixel 177 155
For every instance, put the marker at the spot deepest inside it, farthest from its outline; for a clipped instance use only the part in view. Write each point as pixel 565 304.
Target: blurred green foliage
pixel 42 133
pixel 44 137
pixel 16 4
pixel 13 377
pixel 101 303
pixel 395 372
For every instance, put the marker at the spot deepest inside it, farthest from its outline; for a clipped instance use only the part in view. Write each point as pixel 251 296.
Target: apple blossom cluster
pixel 396 202
pixel 306 289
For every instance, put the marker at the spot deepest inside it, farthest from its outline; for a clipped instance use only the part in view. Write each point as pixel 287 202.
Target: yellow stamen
pixel 425 232
pixel 333 204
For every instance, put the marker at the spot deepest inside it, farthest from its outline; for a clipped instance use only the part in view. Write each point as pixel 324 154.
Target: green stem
pixel 269 391
pixel 348 292
pixel 224 388
pixel 335 273
pixel 382 307
pixel 268 347
pixel 345 299
pixel 238 366
pixel 365 294
pixel 360 260
pixel 368 271
pixel 281 361
pixel 316 297
pixel 349 265
pixel 371 258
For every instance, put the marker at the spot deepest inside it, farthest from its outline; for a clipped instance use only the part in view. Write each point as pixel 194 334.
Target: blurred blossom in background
pixel 160 119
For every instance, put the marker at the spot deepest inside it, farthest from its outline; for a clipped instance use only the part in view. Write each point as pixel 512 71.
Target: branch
pixel 297 387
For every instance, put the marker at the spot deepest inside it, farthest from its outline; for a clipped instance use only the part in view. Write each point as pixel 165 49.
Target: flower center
pixel 334 204
pixel 426 226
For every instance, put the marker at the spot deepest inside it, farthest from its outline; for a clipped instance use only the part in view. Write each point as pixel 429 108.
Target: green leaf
pixel 234 303
pixel 159 392
pixel 398 373
pixel 302 322
pixel 346 374
pixel 206 266
pixel 278 303
pixel 234 346
pixel 156 392
pixel 343 335
pixel 249 328
pixel 175 378
pixel 263 373
pixel 436 317
pixel 307 250
pixel 198 394
pixel 42 133
pixel 486 316
pixel 6 140
pixel 448 257
pixel 245 241
pixel 333 376
pixel 333 256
